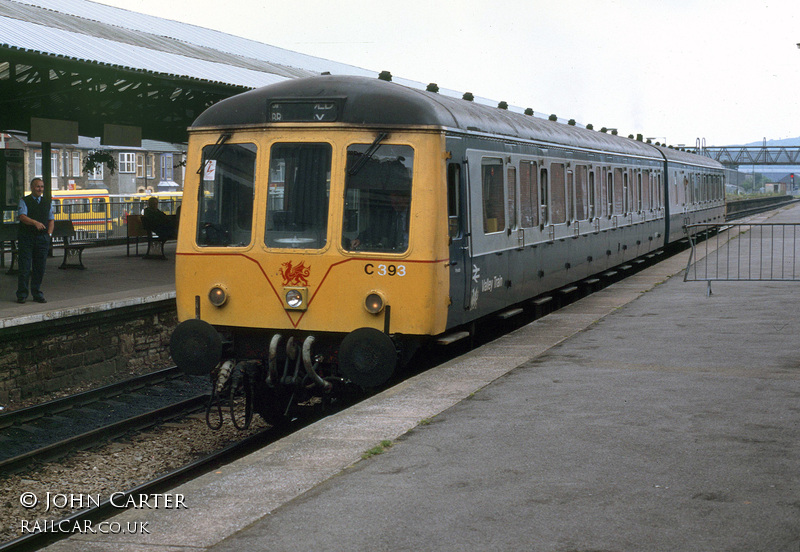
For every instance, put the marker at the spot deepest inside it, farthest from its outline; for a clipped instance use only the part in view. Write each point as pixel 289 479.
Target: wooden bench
pixel 63 229
pixel 155 243
pixel 73 250
pixel 135 230
pixel 8 233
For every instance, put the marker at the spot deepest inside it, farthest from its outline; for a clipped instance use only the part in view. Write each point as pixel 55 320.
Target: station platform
pixel 111 280
pixel 647 416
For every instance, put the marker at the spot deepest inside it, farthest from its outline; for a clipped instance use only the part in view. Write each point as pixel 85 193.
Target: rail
pixel 744 252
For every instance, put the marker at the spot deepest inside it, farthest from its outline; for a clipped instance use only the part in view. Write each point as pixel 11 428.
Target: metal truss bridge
pixel 753 155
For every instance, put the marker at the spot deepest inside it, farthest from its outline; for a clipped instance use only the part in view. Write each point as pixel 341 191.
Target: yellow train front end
pixel 310 254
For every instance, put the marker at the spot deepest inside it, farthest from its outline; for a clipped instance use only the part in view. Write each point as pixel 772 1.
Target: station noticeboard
pixel 12 179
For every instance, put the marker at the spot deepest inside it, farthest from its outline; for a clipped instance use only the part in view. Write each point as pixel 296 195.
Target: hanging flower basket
pixel 97 158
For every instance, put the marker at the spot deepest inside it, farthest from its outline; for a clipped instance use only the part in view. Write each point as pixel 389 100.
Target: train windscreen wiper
pixel 367 155
pixel 215 150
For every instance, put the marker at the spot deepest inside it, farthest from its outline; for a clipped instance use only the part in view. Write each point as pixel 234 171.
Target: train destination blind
pixel 303 112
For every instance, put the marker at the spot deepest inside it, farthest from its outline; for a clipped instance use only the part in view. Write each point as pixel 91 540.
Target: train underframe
pixel 271 373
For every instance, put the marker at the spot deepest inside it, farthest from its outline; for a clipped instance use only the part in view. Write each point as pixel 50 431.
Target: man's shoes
pixel 20 299
pixel 40 299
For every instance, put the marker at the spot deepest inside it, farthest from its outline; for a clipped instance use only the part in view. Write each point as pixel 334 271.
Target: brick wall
pixel 47 356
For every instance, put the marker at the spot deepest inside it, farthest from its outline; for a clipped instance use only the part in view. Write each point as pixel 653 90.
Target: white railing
pixel 744 253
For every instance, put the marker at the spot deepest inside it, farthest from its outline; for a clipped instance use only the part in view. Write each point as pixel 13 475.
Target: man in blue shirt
pixel 36 222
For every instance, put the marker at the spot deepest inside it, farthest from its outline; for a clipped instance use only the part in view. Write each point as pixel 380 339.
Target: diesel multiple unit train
pixel 333 224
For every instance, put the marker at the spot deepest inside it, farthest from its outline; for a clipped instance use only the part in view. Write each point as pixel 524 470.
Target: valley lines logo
pixel 295 275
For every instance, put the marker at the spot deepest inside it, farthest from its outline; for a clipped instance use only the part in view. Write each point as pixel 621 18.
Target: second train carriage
pixel 334 223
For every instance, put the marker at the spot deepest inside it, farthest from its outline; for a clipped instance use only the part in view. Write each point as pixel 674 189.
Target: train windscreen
pixel 298 196
pixel 377 198
pixel 225 196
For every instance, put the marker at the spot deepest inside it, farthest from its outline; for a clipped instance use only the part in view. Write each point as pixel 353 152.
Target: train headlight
pixel 374 303
pixel 217 296
pixel 295 298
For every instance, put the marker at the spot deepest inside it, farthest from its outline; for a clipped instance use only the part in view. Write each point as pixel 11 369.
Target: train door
pixel 516 262
pixel 460 267
pixel 491 238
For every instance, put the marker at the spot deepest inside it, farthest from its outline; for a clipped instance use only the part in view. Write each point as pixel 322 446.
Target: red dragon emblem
pixel 294 275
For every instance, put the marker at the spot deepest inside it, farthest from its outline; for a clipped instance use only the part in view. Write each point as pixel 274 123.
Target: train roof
pixel 375 102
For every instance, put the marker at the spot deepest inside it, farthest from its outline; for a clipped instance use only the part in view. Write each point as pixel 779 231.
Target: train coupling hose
pixel 311 365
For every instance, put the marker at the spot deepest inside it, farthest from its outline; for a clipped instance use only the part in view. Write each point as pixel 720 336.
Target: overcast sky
pixel 725 71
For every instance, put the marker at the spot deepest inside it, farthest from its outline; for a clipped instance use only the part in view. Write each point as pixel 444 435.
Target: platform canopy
pixel 95 67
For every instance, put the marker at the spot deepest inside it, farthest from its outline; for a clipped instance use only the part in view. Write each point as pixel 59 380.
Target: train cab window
pixel 298 196
pixel 377 211
pixel 453 200
pixel 494 218
pixel 528 194
pixel 225 196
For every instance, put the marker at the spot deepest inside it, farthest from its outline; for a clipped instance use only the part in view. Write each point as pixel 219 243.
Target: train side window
pixel 619 192
pixel 626 191
pixel 581 196
pixel 378 196
pixel 494 218
pixel 592 197
pixel 558 199
pixel 609 193
pixel 544 198
pixel 639 193
pixel 676 191
pixel 528 202
pixel 297 197
pixel 225 195
pixel 570 196
pixel 687 190
pixel 512 197
pixel 99 205
pixel 57 206
pixel 453 200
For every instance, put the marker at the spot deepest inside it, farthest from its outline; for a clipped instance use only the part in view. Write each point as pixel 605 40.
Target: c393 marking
pixel 385 270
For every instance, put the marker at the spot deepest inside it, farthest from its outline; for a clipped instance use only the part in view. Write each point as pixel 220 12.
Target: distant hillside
pixel 783 142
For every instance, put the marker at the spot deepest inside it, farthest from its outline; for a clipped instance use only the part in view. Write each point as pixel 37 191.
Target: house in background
pixel 156 166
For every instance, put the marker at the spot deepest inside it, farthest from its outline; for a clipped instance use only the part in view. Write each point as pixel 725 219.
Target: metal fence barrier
pixel 743 252
pixel 106 223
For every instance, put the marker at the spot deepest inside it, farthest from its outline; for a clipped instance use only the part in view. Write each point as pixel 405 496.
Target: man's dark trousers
pixel 32 259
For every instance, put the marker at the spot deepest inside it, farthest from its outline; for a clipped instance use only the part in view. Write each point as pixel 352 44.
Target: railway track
pixel 502 324
pixel 53 429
